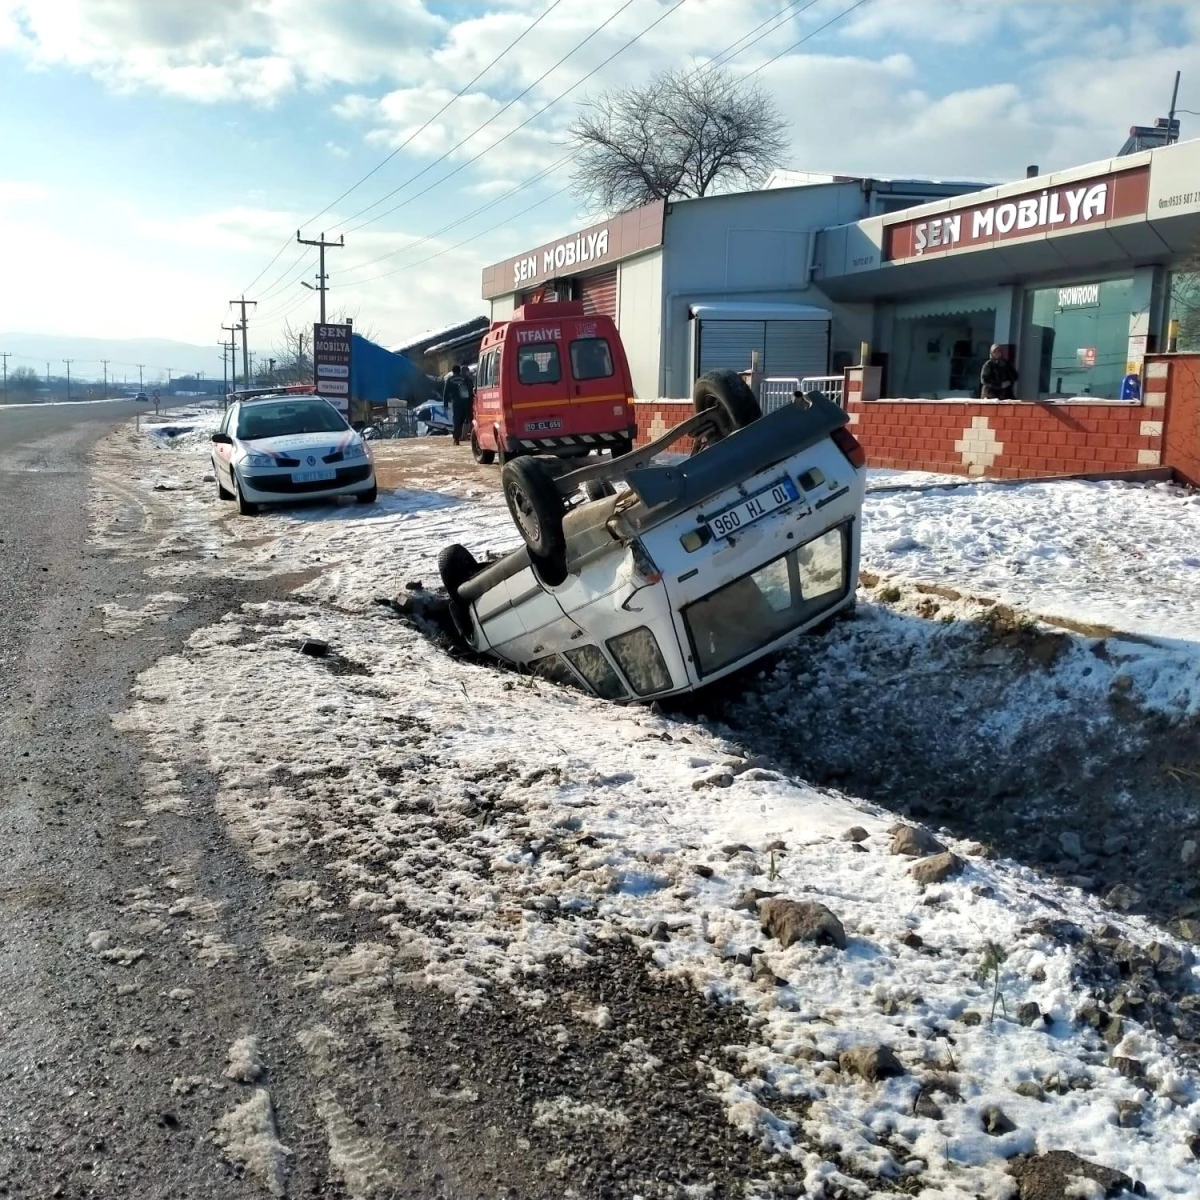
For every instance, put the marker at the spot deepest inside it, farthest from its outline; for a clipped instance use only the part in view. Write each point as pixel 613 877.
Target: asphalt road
pixel 135 945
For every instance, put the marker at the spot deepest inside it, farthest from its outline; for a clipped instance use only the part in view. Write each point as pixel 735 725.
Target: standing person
pixel 998 377
pixel 458 397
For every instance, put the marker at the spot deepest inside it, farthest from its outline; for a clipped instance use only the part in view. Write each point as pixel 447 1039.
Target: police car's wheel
pixel 728 391
pixel 479 454
pixel 223 493
pixel 245 507
pixel 535 505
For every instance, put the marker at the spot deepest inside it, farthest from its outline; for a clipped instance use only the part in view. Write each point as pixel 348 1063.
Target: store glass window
pixel 1075 340
pixel 1184 311
pixel 937 355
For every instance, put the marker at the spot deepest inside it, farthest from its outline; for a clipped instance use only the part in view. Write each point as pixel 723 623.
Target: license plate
pixel 313 476
pixel 538 426
pixel 755 508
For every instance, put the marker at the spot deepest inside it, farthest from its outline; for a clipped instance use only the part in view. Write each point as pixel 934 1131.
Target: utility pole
pixel 141 385
pixel 169 370
pixel 5 355
pixel 232 344
pixel 271 376
pixel 227 349
pixel 68 361
pixel 322 278
pixel 245 343
pixel 253 378
pixel 105 361
pixel 1171 137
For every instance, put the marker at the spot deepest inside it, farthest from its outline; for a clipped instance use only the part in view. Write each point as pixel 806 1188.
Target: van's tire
pixel 728 391
pixel 456 564
pixel 485 458
pixel 621 448
pixel 535 504
pixel 598 489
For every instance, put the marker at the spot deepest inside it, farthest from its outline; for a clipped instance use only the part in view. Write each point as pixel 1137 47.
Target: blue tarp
pixel 377 374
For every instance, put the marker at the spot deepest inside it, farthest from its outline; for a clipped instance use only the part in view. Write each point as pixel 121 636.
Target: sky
pixel 156 156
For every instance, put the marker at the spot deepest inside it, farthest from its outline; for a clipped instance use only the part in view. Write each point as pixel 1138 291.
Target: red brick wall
pixel 1173 382
pixel 970 437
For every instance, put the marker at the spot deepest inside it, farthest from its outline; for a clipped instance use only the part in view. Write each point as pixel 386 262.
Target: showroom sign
pixel 1048 211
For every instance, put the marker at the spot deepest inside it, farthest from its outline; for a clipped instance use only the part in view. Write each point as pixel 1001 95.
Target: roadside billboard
pixel 331 363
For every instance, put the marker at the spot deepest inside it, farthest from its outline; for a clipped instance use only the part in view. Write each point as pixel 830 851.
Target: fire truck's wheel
pixel 728 391
pixel 535 504
pixel 597 489
pixel 479 454
pixel 456 564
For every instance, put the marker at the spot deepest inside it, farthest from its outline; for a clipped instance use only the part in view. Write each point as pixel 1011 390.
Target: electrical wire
pixel 550 104
pixel 527 30
pixel 478 130
pixel 807 36
pixel 780 19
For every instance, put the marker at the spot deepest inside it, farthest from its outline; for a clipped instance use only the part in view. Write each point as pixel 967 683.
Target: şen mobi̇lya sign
pixel 331 362
pixel 584 248
pixel 1049 209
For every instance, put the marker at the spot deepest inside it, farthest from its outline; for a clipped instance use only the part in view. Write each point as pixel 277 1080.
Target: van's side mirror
pixel 222 439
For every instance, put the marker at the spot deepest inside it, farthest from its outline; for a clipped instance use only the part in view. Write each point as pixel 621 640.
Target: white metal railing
pixel 832 386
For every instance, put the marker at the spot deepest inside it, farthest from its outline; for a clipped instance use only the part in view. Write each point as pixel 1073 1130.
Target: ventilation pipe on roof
pixel 1031 171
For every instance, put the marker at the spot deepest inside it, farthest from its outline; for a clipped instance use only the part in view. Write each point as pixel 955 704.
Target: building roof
pixel 436 338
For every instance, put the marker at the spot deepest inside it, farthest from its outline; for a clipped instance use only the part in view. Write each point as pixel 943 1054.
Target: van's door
pixel 537 377
pixel 599 383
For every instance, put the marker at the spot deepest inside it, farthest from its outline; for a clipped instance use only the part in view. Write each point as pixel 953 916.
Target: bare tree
pixel 685 133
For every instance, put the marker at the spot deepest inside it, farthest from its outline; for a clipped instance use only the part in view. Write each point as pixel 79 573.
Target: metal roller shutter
pixel 728 344
pixel 598 293
pixel 796 348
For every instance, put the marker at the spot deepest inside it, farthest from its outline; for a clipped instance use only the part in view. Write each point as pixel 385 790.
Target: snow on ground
pixel 1126 555
pixel 490 823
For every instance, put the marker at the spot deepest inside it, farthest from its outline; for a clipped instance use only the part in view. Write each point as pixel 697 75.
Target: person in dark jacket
pixel 457 396
pixel 998 377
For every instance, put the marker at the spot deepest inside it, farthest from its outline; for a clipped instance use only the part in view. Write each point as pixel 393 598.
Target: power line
pixel 796 45
pixel 457 96
pixel 780 20
pixel 475 132
pixel 487 150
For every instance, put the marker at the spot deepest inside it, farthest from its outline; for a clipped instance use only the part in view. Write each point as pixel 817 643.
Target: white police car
pixel 275 449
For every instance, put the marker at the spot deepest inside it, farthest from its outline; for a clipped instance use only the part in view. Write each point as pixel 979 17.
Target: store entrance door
pixel 942 355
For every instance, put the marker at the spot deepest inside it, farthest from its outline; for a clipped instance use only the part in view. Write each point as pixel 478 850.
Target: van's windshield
pixel 780 596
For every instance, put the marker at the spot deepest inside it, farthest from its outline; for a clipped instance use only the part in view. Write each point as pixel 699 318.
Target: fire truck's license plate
pixel 541 426
pixel 755 508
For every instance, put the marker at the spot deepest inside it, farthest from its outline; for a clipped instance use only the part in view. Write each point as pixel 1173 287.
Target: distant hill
pixel 37 349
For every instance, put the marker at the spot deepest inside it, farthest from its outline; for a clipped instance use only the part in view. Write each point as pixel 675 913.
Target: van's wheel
pixel 598 489
pixel 621 448
pixel 456 564
pixel 535 504
pixel 484 457
pixel 728 391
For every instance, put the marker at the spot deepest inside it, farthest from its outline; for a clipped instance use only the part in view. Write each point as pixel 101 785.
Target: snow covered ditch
pixel 489 825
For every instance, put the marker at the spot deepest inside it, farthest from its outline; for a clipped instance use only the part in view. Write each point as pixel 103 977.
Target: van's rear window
pixel 591 358
pixel 539 363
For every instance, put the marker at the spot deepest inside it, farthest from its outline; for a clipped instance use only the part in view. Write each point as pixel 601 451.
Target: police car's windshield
pixel 287 417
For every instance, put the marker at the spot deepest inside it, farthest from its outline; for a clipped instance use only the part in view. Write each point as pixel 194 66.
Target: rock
pixel 995 1122
pixel 1049 1176
pixel 1188 852
pixel 979 850
pixel 912 941
pixel 750 899
pixel 871 1063
pixel 1030 1013
pixel 801 921
pixel 914 841
pixel 314 648
pixel 971 1018
pixel 1194 1145
pixel 1122 683
pixel 736 848
pixel 1030 1089
pixel 1129 1114
pixel 1113 1031
pixel 660 932
pixel 1131 1068
pixel 1114 844
pixel 856 833
pixel 208 477
pixel 701 870
pixel 936 868
pixel 1070 844
pixel 1188 929
pixel 1123 898
pixel 927 1106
